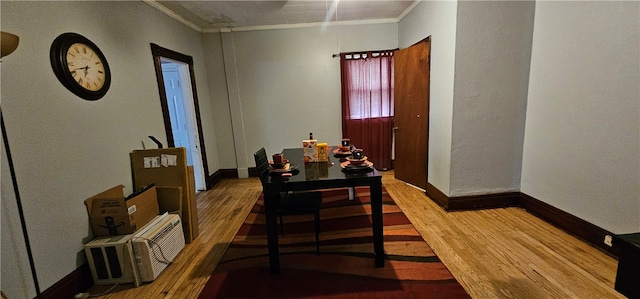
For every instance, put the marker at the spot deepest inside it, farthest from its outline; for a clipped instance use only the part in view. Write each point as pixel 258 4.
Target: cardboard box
pixel 170 199
pixel 309 149
pixel 193 211
pixel 322 149
pixel 111 214
pixel 167 167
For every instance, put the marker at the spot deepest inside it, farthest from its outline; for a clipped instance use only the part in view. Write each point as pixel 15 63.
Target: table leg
pixel 376 215
pixel 272 232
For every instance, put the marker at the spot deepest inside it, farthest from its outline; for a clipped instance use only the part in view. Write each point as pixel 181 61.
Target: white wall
pixel 217 82
pixel 581 145
pixel 582 137
pixel 438 20
pixel 476 125
pixel 66 149
pixel 284 84
pixel 492 69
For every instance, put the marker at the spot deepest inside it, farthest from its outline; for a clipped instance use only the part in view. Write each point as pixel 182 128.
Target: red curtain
pixel 367 103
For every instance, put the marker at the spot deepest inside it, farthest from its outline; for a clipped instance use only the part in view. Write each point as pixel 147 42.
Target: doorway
pixel 178 97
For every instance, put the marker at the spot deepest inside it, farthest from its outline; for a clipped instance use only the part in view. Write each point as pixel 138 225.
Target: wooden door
pixel 411 72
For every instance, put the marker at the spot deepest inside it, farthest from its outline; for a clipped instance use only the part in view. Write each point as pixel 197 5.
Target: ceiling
pixel 214 15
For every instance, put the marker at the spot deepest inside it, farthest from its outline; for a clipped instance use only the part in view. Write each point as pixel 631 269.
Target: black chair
pixel 291 203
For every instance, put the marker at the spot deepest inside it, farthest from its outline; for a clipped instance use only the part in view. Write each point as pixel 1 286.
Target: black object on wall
pixel 19 202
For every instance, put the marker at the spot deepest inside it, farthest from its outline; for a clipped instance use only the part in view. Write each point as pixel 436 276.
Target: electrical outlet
pixel 82 296
pixel 608 240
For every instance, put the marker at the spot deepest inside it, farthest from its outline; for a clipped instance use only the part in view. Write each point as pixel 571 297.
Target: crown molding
pixel 195 27
pixel 300 25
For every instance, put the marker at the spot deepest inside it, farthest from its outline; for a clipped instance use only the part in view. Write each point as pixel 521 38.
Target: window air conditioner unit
pixel 156 245
pixel 111 260
pixel 141 256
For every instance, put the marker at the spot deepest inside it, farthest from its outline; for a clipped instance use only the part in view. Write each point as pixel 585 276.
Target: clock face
pixel 85 66
pixel 80 66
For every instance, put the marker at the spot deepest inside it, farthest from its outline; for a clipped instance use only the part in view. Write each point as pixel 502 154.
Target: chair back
pixel 262 165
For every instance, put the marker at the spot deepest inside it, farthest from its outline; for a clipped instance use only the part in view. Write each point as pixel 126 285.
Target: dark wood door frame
pixel 158 53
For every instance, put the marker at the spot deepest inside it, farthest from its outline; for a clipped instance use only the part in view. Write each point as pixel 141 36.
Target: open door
pixel 179 102
pixel 411 72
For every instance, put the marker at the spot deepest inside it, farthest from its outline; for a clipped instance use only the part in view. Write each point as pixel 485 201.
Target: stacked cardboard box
pixel 167 169
pixel 111 214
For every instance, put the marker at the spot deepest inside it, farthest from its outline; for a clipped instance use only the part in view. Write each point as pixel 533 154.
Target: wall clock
pixel 80 66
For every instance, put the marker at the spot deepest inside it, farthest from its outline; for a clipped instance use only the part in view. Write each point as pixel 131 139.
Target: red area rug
pixel 345 266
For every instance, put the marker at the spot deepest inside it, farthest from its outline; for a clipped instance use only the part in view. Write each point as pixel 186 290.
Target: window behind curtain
pixel 367 103
pixel 370 89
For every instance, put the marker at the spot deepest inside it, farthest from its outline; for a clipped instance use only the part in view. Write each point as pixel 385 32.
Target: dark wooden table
pixel 321 175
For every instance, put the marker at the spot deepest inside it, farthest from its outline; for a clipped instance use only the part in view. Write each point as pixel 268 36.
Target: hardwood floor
pixel 508 253
pixel 497 253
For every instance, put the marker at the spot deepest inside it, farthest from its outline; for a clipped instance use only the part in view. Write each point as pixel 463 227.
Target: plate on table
pixel 339 153
pixel 366 166
pixel 284 175
pixel 288 168
pixel 278 165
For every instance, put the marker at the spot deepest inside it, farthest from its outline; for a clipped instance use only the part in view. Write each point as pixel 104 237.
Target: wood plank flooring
pixel 497 253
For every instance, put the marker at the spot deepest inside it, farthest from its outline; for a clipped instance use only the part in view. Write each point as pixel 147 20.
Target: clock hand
pixel 85 68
